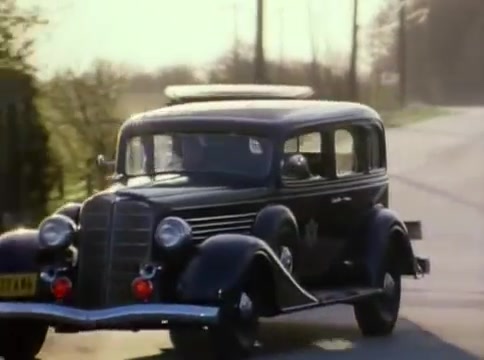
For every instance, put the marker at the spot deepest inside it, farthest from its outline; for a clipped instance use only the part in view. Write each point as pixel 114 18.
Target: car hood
pixel 179 192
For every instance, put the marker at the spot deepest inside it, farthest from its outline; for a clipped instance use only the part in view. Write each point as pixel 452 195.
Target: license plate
pixel 18 285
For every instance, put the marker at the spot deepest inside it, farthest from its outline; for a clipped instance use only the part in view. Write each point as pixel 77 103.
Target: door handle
pixel 340 199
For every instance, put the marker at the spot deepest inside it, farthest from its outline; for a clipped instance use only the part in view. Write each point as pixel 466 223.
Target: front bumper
pixel 138 315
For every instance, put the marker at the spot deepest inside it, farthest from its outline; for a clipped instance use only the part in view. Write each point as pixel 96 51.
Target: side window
pixel 345 152
pixel 291 146
pixel 135 157
pixel 308 145
pixel 164 155
pixel 375 159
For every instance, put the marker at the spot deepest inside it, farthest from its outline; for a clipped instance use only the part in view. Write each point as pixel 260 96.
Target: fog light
pixel 142 289
pixel 61 288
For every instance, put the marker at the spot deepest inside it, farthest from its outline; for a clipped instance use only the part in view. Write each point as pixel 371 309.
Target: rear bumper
pixel 122 316
pixel 423 265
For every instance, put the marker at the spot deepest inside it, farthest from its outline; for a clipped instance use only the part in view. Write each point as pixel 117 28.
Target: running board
pixel 345 296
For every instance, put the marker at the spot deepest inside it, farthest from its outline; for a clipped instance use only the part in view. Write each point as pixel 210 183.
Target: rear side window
pixel 375 149
pixel 345 152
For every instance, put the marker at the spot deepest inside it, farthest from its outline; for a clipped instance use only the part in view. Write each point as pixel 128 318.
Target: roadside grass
pixel 73 192
pixel 412 114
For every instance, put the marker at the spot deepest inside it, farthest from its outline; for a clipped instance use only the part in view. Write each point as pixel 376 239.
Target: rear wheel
pixel 378 315
pixel 21 339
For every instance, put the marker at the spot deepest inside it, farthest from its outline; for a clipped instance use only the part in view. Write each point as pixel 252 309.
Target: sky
pixel 149 34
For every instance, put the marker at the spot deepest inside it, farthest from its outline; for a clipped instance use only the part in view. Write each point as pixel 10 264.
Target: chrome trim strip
pixel 302 192
pixel 221 229
pixel 222 217
pixel 138 313
pixel 224 223
pixel 204 227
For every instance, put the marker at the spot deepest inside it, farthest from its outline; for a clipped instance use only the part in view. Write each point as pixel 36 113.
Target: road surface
pixel 437 168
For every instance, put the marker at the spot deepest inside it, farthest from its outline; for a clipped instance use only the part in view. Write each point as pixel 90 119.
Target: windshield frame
pixel 123 142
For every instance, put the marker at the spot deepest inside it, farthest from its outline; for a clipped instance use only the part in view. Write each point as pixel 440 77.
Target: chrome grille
pixel 115 238
pixel 204 227
pixel 131 240
pixel 93 242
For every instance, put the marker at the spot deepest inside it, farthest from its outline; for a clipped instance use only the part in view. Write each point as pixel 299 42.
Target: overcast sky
pixel 153 33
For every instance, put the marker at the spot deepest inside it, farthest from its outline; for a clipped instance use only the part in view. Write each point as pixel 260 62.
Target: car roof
pixel 264 116
pixel 191 93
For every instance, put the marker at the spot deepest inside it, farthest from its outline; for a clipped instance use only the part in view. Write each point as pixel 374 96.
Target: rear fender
pixel 384 228
pixel 225 264
pixel 18 251
pixel 414 229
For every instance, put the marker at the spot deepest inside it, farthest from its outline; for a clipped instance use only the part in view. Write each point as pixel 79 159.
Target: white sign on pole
pixel 389 78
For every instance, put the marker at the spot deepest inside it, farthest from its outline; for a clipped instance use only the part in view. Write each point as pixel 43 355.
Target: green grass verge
pixel 411 115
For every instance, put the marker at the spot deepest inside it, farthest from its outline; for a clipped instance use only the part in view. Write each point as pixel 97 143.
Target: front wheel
pixel 233 339
pixel 21 339
pixel 378 315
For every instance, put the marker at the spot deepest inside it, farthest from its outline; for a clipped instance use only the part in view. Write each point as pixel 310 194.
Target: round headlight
pixel 56 231
pixel 172 231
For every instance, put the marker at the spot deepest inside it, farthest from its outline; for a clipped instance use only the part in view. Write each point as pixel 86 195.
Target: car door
pixel 309 201
pixel 357 184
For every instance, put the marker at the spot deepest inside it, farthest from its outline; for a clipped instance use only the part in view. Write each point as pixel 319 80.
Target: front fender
pixel 71 210
pixel 18 251
pixel 224 265
pixel 276 225
pixel 384 228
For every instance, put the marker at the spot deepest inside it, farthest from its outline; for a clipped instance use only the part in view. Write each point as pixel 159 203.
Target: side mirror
pixel 102 163
pixel 296 167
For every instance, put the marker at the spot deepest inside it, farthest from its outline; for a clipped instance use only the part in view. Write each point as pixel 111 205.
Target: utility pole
pixel 402 53
pixel 314 70
pixel 236 54
pixel 260 76
pixel 353 77
pixel 281 42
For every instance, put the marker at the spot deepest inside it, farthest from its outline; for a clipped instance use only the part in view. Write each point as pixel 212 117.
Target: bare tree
pixel 80 111
pixel 16 40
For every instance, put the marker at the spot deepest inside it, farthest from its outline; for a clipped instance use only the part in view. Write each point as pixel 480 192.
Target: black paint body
pixel 236 226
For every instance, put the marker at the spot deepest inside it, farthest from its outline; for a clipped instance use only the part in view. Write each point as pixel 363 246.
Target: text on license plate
pixel 18 285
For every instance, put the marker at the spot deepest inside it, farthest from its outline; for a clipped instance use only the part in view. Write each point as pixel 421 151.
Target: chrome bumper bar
pixel 110 317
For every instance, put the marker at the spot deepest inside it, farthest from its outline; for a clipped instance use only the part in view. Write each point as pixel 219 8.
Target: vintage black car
pixel 257 203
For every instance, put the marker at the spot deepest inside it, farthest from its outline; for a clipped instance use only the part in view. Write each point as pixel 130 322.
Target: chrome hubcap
pixel 245 305
pixel 286 258
pixel 388 285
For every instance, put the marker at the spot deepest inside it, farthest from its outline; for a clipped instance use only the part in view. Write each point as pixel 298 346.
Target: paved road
pixel 438 177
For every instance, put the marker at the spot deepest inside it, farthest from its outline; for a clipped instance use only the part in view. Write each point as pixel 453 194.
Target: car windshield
pixel 212 153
